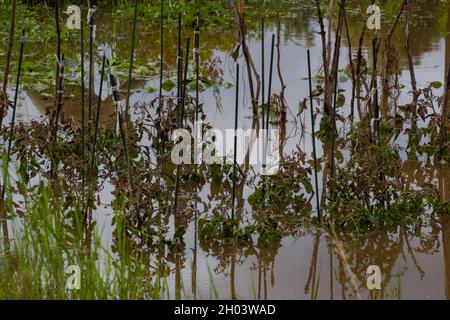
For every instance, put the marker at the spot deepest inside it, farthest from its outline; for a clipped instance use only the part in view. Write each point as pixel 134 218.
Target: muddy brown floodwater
pixel 415 262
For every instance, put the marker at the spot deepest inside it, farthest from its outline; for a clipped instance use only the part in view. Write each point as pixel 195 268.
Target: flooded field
pixel 97 187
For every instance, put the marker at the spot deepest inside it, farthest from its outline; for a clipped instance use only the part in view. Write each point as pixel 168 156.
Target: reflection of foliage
pixel 283 190
pixel 406 210
pixel 366 190
pixel 281 199
pixel 219 229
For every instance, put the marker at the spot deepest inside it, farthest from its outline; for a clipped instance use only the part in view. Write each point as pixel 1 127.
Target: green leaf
pixel 436 84
pixel 144 70
pixel 40 86
pixel 308 186
pixel 150 89
pixel 168 85
pixel 343 79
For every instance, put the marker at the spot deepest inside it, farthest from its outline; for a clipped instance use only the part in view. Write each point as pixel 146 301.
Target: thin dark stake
pixel 263 85
pixel 59 96
pixel 91 23
pixel 83 120
pixel 130 69
pixel 313 135
pixel 333 121
pixel 161 54
pixel 269 97
pixel 236 115
pixel 376 114
pixel 58 49
pixel 186 68
pixel 197 66
pixel 179 73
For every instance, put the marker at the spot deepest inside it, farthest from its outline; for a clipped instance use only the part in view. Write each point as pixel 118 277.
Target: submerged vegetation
pixel 109 162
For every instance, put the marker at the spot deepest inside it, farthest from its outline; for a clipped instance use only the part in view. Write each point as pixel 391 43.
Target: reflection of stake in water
pixel 197 81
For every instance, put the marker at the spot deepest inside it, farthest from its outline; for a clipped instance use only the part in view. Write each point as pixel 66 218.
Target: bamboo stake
pixel 179 73
pixel 161 54
pixel 58 51
pixel 269 96
pixel 91 23
pixel 352 69
pixel 186 68
pixel 83 120
pixel 59 95
pixel 262 73
pixel 130 69
pixel 376 115
pixel 236 115
pixel 280 76
pixel 313 136
pixel 197 66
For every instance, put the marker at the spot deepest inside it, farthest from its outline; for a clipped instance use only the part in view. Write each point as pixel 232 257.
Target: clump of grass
pixel 52 237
